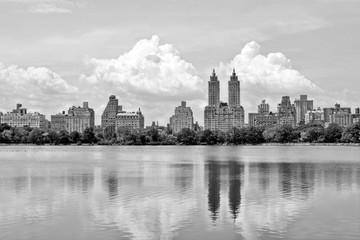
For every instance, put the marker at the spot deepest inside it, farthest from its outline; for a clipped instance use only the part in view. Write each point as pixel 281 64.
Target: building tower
pixel 234 91
pixel 263 108
pixel 303 105
pixel 214 90
pixel 183 118
pixel 109 115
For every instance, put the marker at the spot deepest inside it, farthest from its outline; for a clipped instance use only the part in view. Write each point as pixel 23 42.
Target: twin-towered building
pixel 221 115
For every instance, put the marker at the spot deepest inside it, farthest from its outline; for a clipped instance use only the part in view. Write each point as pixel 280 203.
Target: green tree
pixel 187 137
pixel 89 136
pixel 36 136
pixel 333 133
pixel 208 137
pixel 351 134
pixel 53 137
pixel 64 137
pixel 75 137
pixel 286 134
pixel 269 134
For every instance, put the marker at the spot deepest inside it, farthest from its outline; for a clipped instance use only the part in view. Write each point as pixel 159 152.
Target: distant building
pixel 132 120
pixel 220 115
pixel 315 116
pixel 356 116
pixel 77 119
pixel 342 118
pixel 19 117
pixel 286 112
pixel 357 111
pixel 108 117
pixel 58 122
pixel 302 105
pixel 183 118
pixel 263 108
pixel 1 114
pixel 263 117
pixel 336 109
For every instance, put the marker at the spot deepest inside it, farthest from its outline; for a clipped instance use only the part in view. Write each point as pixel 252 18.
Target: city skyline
pixel 88 59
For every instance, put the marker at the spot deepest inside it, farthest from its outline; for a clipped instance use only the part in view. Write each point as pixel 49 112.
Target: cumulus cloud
pixel 273 72
pixel 38 87
pixel 48 6
pixel 266 77
pixel 151 75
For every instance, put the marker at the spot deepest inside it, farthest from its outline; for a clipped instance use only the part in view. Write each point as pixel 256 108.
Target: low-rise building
pixel 342 118
pixel 20 117
pixel 132 120
pixel 183 118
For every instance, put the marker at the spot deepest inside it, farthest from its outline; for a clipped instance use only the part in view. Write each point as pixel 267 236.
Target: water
pixel 247 192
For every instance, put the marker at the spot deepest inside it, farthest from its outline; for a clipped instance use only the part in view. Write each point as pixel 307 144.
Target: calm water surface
pixel 260 192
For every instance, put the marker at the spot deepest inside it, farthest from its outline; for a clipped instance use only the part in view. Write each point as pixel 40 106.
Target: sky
pixel 153 54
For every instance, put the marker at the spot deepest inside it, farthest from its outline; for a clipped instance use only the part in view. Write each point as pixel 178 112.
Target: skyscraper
pixel 220 115
pixel 302 105
pixel 286 112
pixel 234 91
pixel 109 115
pixel 214 90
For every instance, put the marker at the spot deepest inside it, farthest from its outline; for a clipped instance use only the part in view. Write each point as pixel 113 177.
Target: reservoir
pixel 179 192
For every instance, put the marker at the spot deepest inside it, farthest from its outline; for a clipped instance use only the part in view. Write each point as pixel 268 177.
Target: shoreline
pixel 119 145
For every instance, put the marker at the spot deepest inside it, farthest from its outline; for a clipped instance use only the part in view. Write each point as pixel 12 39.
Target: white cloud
pixel 36 87
pixel 49 6
pixel 151 76
pixel 265 77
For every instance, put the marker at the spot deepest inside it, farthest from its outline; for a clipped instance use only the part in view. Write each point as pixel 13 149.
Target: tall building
pixel 214 90
pixel 108 117
pixel 183 118
pixel 79 118
pixel 132 120
pixel 286 112
pixel 220 115
pixel 302 105
pixel 263 108
pixel 357 111
pixel 234 91
pixel 19 117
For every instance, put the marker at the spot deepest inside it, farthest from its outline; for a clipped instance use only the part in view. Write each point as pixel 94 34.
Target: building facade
pixel 79 118
pixel 183 118
pixel 263 117
pixel 108 117
pixel 315 116
pixel 58 122
pixel 219 115
pixel 336 109
pixel 286 112
pixel 132 120
pixel 302 105
pixel 19 117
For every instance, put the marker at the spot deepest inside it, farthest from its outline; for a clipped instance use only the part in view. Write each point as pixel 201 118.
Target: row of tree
pixel 312 133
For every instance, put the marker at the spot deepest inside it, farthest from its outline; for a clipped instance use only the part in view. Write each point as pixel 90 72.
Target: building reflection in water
pixel 183 176
pixel 113 185
pixel 235 170
pixel 213 169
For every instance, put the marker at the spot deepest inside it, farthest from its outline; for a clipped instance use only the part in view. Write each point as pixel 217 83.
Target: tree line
pixel 310 133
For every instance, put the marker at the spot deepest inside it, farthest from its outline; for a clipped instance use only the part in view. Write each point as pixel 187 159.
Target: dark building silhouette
pixel 213 169
pixel 235 170
pixel 112 181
